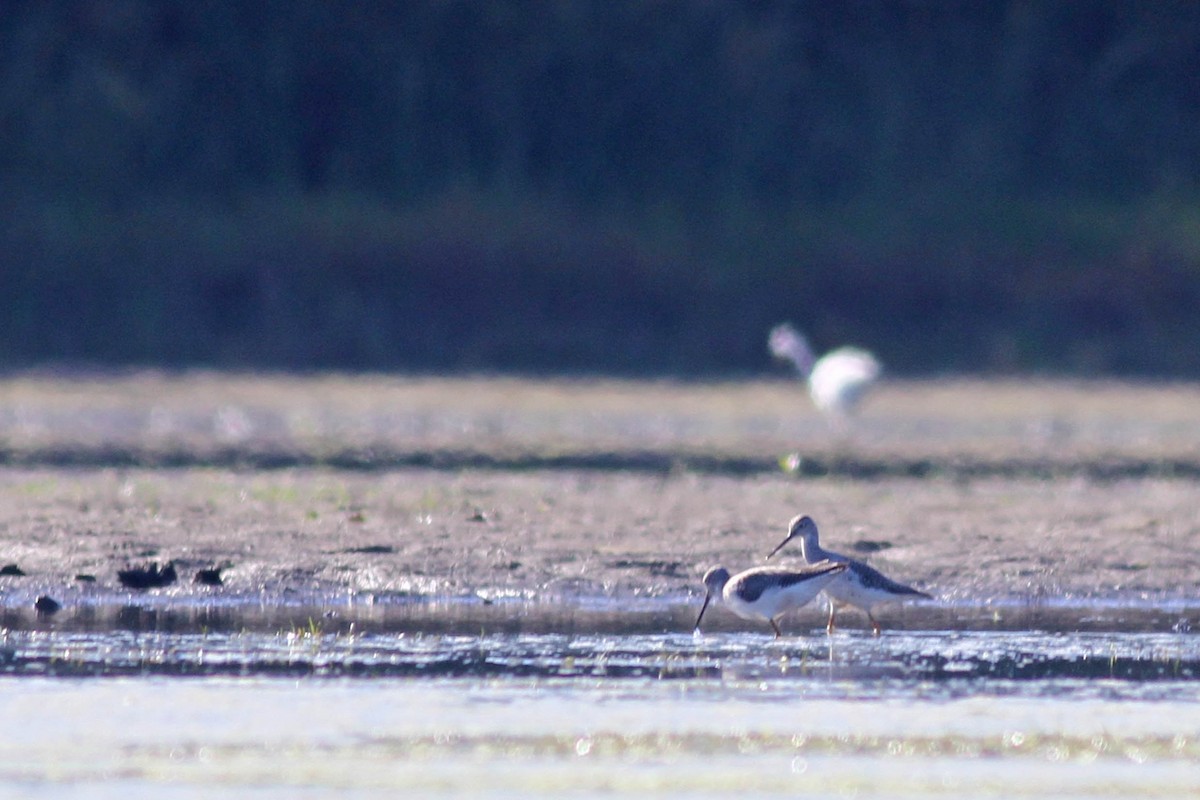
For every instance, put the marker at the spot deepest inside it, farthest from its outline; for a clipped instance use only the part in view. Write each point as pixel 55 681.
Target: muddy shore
pixel 1105 509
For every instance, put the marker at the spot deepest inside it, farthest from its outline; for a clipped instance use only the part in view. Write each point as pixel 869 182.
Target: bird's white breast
pixel 776 599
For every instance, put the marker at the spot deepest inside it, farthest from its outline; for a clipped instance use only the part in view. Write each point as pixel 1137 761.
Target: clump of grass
pixel 313 631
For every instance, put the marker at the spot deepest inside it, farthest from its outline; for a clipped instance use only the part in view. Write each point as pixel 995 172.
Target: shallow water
pixel 307 712
pixel 307 650
pixel 530 737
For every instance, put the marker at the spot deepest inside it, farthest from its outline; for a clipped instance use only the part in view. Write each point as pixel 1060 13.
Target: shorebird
pixel 860 586
pixel 837 380
pixel 767 592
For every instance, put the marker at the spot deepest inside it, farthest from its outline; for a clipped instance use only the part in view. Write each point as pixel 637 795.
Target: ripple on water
pixel 920 658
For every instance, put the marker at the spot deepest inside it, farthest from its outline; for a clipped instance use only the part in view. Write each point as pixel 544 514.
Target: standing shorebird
pixel 837 380
pixel 767 592
pixel 860 586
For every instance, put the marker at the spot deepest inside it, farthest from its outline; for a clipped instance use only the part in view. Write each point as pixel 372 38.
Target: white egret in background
pixel 836 380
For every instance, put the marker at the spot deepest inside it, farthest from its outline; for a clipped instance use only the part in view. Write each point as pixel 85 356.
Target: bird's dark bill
pixel 703 608
pixel 778 547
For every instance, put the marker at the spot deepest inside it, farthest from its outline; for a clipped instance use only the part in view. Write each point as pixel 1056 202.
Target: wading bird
pixel 766 592
pixel 836 380
pixel 860 586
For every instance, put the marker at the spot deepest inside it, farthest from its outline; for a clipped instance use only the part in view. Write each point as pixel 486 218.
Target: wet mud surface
pixel 461 502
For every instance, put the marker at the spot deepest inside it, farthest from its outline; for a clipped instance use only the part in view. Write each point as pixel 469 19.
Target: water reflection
pixel 310 649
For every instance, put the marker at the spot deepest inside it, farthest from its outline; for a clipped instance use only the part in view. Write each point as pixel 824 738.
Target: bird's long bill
pixel 703 608
pixel 778 547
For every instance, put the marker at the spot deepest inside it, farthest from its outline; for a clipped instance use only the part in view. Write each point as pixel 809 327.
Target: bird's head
pixel 787 343
pixel 803 528
pixel 715 580
pixel 714 583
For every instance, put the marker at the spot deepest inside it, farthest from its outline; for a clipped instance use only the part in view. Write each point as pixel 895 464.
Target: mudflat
pixel 427 488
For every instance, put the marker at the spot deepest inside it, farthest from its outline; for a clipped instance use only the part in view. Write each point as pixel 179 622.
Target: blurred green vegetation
pixel 639 187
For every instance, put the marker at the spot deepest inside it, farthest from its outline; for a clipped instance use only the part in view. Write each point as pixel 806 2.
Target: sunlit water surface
pixel 309 713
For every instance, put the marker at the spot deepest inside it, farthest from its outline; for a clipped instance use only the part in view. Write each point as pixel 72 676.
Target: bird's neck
pixel 803 361
pixel 800 355
pixel 812 551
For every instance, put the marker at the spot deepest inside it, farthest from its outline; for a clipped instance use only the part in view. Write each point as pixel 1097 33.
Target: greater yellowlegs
pixel 860 586
pixel 836 380
pixel 767 592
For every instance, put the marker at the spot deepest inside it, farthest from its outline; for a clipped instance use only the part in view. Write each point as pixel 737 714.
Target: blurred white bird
pixel 836 380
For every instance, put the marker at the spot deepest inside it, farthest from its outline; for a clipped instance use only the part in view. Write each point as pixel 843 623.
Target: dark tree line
pixel 780 101
pixel 722 155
